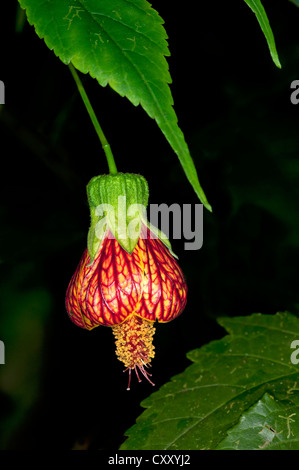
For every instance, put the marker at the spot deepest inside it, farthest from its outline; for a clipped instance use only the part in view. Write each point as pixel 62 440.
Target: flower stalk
pixel 105 145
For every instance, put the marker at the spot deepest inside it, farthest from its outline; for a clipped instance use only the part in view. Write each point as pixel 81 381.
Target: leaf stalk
pixel 105 145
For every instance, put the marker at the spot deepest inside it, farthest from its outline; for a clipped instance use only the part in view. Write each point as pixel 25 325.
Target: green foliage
pixel 246 135
pixel 259 11
pixel 122 44
pixel 228 376
pixel 268 424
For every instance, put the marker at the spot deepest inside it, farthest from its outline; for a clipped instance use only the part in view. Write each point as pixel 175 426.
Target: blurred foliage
pixel 234 107
pixel 25 311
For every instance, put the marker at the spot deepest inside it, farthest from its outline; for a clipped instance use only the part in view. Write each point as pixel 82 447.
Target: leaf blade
pixel 121 43
pixel 197 408
pixel 268 425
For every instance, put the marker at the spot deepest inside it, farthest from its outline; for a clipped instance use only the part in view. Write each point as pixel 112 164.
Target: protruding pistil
pixel 134 345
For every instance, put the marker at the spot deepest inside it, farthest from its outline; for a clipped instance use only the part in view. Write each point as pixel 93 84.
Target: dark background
pixel 62 387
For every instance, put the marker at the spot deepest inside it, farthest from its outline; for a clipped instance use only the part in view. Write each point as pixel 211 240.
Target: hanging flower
pixel 127 277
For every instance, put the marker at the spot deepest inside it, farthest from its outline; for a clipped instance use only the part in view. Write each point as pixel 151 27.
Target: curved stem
pixel 98 129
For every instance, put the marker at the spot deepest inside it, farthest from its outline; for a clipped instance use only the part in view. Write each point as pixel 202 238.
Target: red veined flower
pixel 128 292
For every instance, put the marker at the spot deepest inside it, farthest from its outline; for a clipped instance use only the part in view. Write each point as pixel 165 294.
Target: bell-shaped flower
pixel 128 276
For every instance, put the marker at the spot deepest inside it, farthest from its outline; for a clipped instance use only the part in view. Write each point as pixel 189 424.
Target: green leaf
pixel 197 407
pixel 259 11
pixel 296 2
pixel 268 425
pixel 121 43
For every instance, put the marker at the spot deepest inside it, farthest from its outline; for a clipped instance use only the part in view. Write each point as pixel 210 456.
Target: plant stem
pixel 98 129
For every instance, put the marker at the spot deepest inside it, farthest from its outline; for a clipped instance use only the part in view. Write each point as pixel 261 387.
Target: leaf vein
pixel 140 33
pixel 221 405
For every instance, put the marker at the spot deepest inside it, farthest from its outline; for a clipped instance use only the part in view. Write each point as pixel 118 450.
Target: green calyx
pixel 117 203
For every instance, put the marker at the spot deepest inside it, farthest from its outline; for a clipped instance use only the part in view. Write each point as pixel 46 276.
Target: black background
pixel 62 387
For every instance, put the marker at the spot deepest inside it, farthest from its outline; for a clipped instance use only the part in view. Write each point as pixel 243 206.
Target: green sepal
pixel 164 239
pixel 93 242
pixel 118 203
